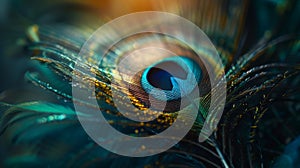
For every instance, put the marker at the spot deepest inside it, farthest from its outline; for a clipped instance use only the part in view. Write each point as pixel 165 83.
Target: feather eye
pixel 179 70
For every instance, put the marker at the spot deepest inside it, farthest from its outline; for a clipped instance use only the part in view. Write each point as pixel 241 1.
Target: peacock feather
pixel 258 42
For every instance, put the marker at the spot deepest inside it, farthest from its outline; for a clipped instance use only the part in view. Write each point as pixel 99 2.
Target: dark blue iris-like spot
pixel 171 78
pixel 161 78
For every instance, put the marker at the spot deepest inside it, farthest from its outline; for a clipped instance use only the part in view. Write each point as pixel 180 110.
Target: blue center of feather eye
pixel 161 78
pixel 176 76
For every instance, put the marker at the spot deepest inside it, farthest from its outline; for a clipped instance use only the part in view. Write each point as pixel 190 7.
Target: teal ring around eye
pixel 179 87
